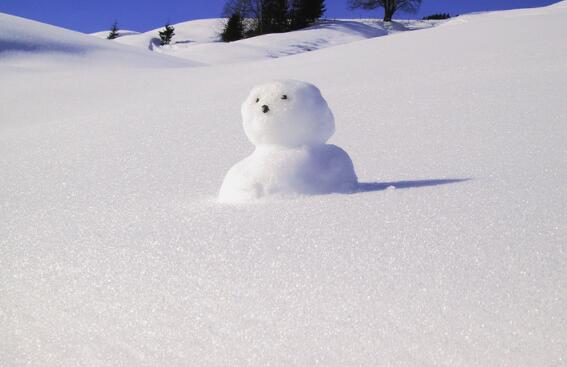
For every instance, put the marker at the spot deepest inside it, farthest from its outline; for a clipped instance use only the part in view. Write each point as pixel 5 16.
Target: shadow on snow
pixel 379 186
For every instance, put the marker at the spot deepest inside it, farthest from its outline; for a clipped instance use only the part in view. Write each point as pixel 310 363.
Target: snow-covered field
pixel 25 43
pixel 198 39
pixel 114 250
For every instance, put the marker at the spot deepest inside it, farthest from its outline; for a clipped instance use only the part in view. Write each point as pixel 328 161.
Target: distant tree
pixel 113 31
pixel 437 16
pixel 297 19
pixel 274 16
pixel 234 28
pixel 305 12
pixel 260 16
pixel 166 35
pixel 390 6
pixel 250 11
pixel 314 9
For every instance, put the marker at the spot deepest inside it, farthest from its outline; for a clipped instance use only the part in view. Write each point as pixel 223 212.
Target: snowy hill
pixel 22 37
pixel 198 39
pixel 120 32
pixel 193 31
pixel 116 252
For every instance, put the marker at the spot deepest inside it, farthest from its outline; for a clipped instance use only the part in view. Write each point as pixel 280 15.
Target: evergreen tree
pixel 297 15
pixel 274 16
pixel 314 9
pixel 305 12
pixel 113 32
pixel 437 16
pixel 234 28
pixel 166 35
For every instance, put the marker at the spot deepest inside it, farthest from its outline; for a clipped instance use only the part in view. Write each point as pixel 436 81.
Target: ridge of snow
pixel 22 41
pixel 121 33
pixel 199 39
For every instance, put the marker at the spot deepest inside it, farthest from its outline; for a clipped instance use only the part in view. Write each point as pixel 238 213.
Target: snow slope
pixel 45 44
pixel 198 39
pixel 115 252
pixel 193 31
pixel 121 33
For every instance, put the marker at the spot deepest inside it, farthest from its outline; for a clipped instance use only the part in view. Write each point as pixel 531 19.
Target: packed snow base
pixel 289 122
pixel 115 252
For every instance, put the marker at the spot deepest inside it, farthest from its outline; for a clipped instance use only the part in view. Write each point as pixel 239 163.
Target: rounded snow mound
pixel 289 121
pixel 23 40
pixel 279 171
pixel 23 35
pixel 121 33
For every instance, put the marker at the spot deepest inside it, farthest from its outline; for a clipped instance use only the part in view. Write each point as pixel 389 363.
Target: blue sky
pixel 142 15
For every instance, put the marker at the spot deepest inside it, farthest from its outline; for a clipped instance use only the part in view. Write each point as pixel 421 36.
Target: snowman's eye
pixel 257 100
pixel 284 96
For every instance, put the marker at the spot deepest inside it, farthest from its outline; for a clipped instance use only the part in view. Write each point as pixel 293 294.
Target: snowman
pixel 289 122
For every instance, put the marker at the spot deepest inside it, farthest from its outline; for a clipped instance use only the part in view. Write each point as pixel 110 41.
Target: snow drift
pixel 199 39
pixel 23 40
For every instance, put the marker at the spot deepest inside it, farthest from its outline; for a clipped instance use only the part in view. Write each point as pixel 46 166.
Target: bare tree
pixel 390 6
pixel 249 10
pixel 260 16
pixel 243 7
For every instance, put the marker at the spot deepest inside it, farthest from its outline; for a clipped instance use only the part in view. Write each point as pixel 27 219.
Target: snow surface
pixel 191 32
pixel 26 43
pixel 114 251
pixel 120 32
pixel 198 40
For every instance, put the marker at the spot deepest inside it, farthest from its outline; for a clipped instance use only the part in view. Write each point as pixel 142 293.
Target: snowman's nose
pixel 265 108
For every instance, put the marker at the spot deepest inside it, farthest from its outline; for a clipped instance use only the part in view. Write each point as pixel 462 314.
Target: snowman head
pixel 287 113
